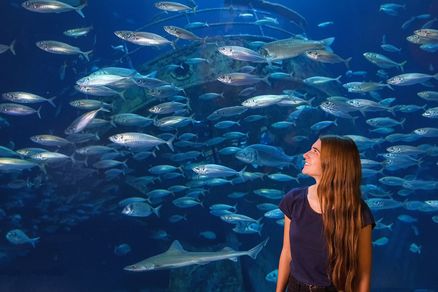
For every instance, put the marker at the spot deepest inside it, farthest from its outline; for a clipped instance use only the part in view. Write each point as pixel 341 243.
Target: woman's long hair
pixel 340 199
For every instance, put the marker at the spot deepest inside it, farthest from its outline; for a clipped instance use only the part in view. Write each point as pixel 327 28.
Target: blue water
pixel 76 247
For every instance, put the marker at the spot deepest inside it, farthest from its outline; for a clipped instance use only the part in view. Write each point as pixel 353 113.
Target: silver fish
pixel 143 38
pixel 140 209
pixel 264 100
pixel 292 47
pixel 173 6
pixel 78 32
pixel 8 164
pixel 327 57
pixel 82 121
pixel 25 97
pixel 383 61
pixel 242 54
pixel 133 139
pixel 410 79
pixel 14 109
pixel 264 155
pixel 52 6
pixel 61 48
pixel 237 79
pixel 49 140
pixel 181 33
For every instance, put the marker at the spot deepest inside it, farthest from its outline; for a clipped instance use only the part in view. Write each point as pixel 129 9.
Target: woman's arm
pixel 365 259
pixel 285 258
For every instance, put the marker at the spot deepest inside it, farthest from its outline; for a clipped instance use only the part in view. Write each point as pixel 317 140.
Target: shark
pixel 176 257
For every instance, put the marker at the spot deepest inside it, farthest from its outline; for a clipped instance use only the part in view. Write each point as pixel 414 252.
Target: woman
pixel 327 228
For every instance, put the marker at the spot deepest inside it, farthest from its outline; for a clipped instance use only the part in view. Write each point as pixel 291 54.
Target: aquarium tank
pixel 145 145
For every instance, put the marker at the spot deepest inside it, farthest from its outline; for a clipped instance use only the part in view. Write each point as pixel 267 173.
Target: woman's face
pixel 312 165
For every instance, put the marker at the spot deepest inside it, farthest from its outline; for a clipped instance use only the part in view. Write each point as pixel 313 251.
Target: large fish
pixel 264 155
pixel 292 47
pixel 176 257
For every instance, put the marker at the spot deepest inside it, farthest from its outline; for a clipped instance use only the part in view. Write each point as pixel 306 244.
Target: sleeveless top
pixel 307 240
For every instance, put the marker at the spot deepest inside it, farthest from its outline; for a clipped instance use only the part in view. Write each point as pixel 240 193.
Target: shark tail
pixel 34 241
pixel 253 252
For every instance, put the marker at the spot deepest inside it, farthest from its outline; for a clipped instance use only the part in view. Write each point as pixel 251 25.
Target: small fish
pixel 78 32
pixel 122 249
pixel 208 235
pixel 415 248
pixel 238 79
pixel 272 276
pixel 181 33
pixel 143 38
pixel 25 97
pixel 381 241
pixel 325 24
pixel 428 95
pixel 14 109
pixel 242 54
pixel 266 21
pixel 169 6
pixel 410 79
pixel 61 48
pixel 17 236
pixel 327 57
pixel 140 209
pixel 82 122
pixel 383 61
pixel 317 80
pixel 8 164
pixel 133 139
pixel 52 6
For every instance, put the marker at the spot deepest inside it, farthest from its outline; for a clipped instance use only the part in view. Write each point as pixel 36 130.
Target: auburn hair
pixel 340 198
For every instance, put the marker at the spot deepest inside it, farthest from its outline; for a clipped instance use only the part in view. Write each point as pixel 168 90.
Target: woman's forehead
pixel 317 144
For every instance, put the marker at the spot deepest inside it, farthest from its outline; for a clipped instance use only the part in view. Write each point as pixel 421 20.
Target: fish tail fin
pixel 328 41
pixel 79 9
pixel 338 79
pixel 173 44
pixel 34 241
pixel 253 252
pixel 86 55
pixel 50 100
pixel 39 112
pixel 169 143
pixel 347 62
pixel 402 123
pixel 242 172
pixel 401 66
pixel 12 47
pixel 122 94
pixel 156 210
pixel 435 76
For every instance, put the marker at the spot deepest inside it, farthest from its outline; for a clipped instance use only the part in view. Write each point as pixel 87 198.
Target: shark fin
pixel 175 248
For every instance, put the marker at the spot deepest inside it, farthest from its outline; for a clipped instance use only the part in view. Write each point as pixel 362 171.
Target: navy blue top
pixel 308 246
